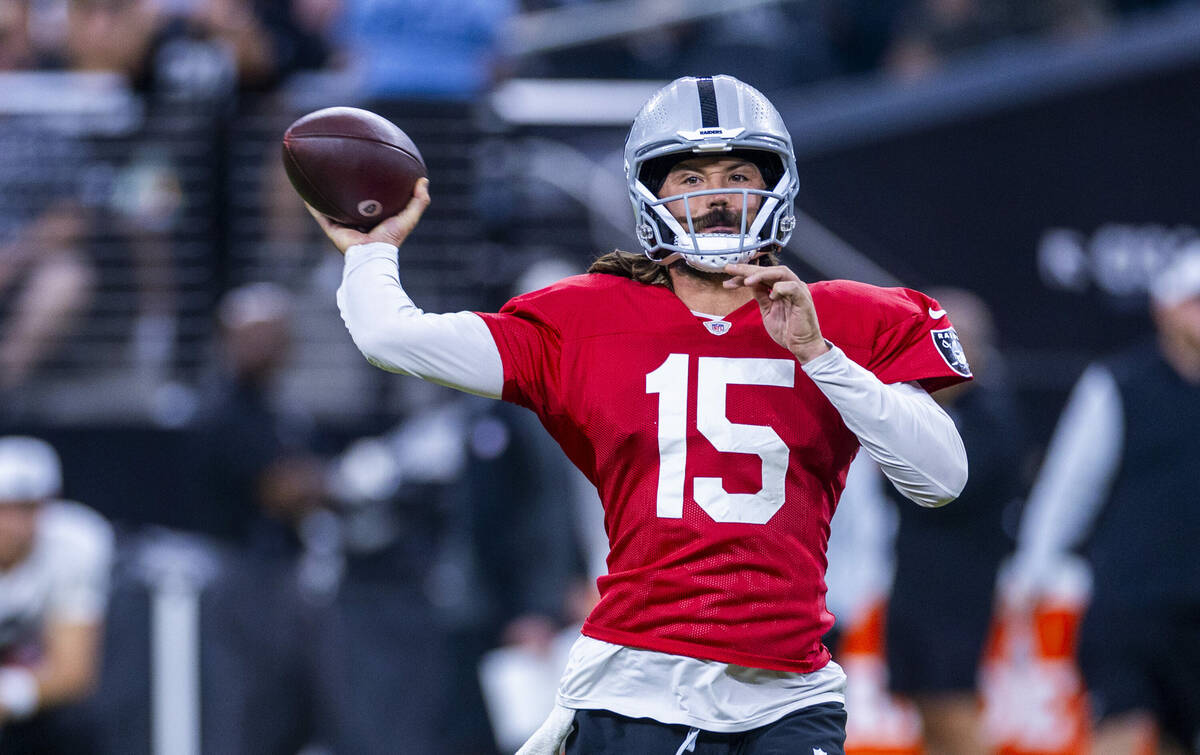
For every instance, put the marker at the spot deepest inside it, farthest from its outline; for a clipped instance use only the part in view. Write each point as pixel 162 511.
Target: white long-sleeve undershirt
pixel 454 349
pixel 902 428
pixel 912 439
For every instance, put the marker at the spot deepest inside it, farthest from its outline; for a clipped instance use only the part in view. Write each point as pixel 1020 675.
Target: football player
pixel 716 401
pixel 55 558
pixel 1119 485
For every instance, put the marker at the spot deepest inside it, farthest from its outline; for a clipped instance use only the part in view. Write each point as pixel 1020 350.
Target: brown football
pixel 351 164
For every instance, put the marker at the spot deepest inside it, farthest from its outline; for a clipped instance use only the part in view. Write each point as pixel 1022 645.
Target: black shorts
pixel 1144 659
pixel 816 729
pixel 935 635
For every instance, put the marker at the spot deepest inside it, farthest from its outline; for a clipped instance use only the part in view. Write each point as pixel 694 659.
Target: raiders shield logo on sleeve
pixel 951 350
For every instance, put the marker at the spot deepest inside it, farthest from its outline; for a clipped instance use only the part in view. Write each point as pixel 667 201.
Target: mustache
pixel 718 216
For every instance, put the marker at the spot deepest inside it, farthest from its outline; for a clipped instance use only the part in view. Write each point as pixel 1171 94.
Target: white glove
pixel 1020 581
pixel 549 738
pixel 1026 580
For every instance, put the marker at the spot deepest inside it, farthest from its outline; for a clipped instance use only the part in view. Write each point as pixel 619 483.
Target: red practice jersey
pixel 718 460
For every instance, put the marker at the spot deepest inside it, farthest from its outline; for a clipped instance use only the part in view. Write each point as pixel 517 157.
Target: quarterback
pixel 716 401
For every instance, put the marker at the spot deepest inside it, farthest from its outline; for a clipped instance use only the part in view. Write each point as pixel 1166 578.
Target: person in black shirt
pixel 933 659
pixel 1119 483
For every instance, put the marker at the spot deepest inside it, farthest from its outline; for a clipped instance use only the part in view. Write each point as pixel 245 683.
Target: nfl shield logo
pixel 717 327
pixel 951 350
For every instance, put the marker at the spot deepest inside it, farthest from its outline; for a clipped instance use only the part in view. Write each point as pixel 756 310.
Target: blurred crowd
pixel 189 47
pixel 64 191
pixel 343 584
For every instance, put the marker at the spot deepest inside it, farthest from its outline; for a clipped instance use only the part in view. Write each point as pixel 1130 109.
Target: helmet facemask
pixel 666 239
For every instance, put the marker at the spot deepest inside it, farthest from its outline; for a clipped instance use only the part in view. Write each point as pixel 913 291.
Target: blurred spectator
pixel 16 48
pixel 419 49
pixel 106 35
pixel 55 558
pixel 45 278
pixel 392 493
pixel 1119 482
pixel 147 206
pixel 931 31
pixel 198 49
pixel 932 661
pixel 482 493
pixel 269 38
pixel 518 493
pixel 521 492
pixel 325 621
pixel 255 471
pixel 260 491
pixel 511 561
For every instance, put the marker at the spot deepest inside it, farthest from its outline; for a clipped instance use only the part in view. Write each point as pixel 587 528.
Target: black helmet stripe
pixel 708 103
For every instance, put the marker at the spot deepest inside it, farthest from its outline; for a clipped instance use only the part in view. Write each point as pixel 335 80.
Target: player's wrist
pixel 806 351
pixel 368 248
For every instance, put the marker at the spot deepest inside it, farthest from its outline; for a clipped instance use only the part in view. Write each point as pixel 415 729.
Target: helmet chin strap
pixel 708 243
pixel 712 261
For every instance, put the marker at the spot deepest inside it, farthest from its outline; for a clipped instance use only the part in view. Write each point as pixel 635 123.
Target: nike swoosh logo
pixel 937 314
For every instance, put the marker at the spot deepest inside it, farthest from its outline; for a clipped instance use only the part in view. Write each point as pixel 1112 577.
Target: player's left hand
pixel 786 306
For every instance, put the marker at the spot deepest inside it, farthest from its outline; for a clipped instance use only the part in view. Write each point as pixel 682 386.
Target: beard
pixel 683 268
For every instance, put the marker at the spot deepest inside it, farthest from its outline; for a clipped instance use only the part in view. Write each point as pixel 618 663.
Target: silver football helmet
pixel 709 116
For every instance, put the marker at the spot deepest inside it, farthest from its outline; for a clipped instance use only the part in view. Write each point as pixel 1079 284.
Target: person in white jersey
pixel 55 560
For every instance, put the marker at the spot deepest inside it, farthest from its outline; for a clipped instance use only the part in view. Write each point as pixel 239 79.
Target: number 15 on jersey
pixel 713 377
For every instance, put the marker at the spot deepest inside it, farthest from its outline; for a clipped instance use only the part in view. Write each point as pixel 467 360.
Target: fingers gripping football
pixel 393 230
pixel 786 306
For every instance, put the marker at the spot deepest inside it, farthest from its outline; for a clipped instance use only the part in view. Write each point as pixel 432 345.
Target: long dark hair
pixel 642 269
pixel 636 267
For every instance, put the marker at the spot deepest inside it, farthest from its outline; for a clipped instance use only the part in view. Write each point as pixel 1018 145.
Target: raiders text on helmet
pixel 709 116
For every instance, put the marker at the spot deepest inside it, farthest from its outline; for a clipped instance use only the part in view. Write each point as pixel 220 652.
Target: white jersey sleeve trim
pixel 1078 470
pixel 903 429
pixel 454 349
